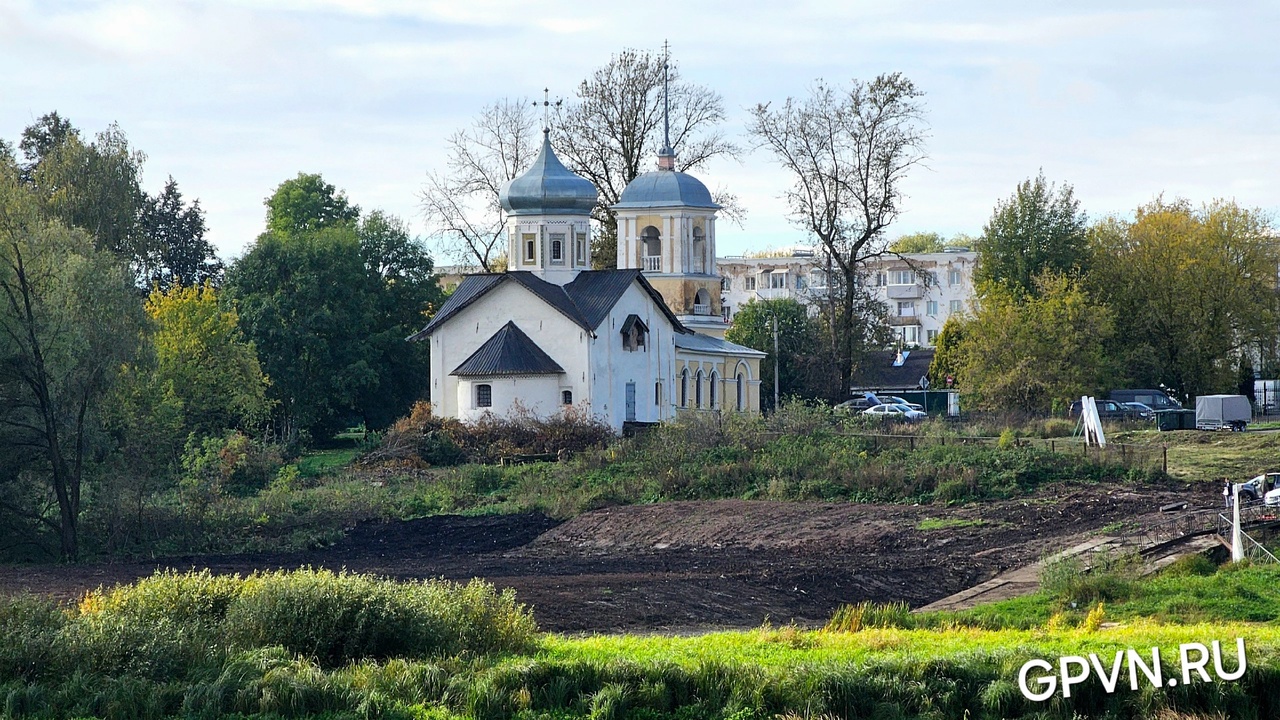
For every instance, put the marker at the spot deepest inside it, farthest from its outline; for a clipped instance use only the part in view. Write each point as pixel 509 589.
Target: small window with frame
pixel 530 247
pixel 484 396
pixel 633 333
pixel 580 248
pixel 566 397
pixel 557 248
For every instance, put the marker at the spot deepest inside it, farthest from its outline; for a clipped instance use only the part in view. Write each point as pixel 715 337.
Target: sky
pixel 1124 101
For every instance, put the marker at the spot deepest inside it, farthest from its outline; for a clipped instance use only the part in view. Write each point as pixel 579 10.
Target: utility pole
pixel 777 362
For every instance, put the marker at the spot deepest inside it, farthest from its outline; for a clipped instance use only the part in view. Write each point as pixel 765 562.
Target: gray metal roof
pixel 586 300
pixel 548 188
pixel 697 342
pixel 508 352
pixel 666 188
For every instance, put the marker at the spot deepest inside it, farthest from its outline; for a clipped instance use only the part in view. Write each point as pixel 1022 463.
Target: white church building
pixel 641 343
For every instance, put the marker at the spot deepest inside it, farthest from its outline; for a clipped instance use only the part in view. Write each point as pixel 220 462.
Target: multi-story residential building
pixel 921 290
pixel 789 274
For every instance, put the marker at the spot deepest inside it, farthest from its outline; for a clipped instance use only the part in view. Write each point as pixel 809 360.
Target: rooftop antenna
pixel 546 109
pixel 666 156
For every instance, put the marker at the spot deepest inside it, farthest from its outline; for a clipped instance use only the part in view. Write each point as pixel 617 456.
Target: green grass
pixel 948 523
pixel 324 462
pixel 1196 455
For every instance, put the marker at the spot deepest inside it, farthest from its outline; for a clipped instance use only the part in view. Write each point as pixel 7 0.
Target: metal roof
pixel 586 300
pixel 508 352
pixel 666 188
pixel 548 188
pixel 697 342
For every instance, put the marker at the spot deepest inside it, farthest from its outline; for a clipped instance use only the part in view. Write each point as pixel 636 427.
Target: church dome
pixel 666 188
pixel 548 188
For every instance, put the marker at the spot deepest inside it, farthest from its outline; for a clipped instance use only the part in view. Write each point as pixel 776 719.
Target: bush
pixel 421 438
pixel 235 464
pixel 338 618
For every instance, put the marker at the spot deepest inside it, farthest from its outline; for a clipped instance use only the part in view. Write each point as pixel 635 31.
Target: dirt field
pixel 696 565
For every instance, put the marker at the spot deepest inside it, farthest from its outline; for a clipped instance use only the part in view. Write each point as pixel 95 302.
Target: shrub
pixel 338 618
pixel 235 464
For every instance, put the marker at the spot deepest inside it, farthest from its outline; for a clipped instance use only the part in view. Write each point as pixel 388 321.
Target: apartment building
pixel 921 290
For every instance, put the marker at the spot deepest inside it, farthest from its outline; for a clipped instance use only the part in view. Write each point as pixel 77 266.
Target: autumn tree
pixel 461 204
pixel 1193 290
pixel 798 341
pixel 69 321
pixel 204 361
pixel 921 242
pixel 1027 351
pixel 847 152
pixel 1039 229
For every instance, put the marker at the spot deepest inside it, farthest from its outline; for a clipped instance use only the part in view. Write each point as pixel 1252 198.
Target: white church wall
pixel 537 394
pixel 558 336
pixel 612 366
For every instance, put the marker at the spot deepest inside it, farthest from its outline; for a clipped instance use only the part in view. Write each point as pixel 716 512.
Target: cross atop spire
pixel 666 156
pixel 546 109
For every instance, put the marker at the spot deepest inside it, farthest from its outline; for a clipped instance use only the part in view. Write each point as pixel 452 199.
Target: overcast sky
pixel 1123 100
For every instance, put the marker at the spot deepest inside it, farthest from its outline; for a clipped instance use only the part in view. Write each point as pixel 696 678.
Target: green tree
pixel 69 320
pixel 1025 352
pixel 1193 289
pixel 1040 229
pixel 798 340
pixel 328 303
pixel 203 360
pixel 307 203
pixel 178 252
pixel 921 242
pixel 946 353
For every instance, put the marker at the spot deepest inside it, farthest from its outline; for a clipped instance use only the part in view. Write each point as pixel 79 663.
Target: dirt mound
pixel 696 565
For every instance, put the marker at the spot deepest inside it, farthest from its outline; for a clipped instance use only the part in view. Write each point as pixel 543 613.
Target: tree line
pixel 132 358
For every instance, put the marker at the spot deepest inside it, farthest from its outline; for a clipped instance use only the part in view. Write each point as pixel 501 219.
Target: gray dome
pixel 666 188
pixel 548 188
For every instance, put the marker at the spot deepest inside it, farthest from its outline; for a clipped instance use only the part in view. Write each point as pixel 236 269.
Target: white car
pixel 898 400
pixel 1272 499
pixel 894 411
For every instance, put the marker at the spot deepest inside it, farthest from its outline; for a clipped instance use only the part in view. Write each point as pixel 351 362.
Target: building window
pixel 800 283
pixel 697 389
pixel 909 334
pixel 955 306
pixel 557 248
pixel 657 393
pixel 725 314
pixel 711 390
pixel 484 396
pixel 742 392
pixel 684 387
pixel 777 280
pixel 931 307
pixel 880 280
pixel 749 282
pixel 633 333
pixel 580 249
pixel 566 397
pixel 906 308
pixel 931 336
pixel 953 277
pixel 530 247
pixel 724 285
pixel 902 277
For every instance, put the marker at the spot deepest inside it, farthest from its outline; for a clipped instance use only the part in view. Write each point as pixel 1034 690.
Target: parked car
pixel 897 400
pixel 1154 399
pixel 1141 411
pixel 894 411
pixel 857 404
pixel 1107 410
pixel 1265 486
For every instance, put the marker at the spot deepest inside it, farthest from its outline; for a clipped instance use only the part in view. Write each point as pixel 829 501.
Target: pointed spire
pixel 666 156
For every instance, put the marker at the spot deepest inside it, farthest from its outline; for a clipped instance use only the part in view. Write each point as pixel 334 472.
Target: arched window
pixel 684 387
pixel 742 392
pixel 697 389
pixel 484 396
pixel 566 397
pixel 651 249
pixel 712 393
pixel 702 302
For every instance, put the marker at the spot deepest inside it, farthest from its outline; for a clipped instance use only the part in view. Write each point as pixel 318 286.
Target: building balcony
pixel 652 263
pixel 904 292
pixel 902 320
pixel 701 308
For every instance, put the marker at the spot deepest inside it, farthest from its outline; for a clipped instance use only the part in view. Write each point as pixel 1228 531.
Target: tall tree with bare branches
pixel 461 204
pixel 612 130
pixel 848 151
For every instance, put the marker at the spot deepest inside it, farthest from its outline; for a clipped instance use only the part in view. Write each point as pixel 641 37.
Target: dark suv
pixel 1107 410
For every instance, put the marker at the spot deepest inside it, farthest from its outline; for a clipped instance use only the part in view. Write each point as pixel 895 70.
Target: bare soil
pixel 687 566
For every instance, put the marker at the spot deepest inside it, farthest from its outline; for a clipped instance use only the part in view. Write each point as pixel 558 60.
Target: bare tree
pixel 848 152
pixel 612 131
pixel 461 205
